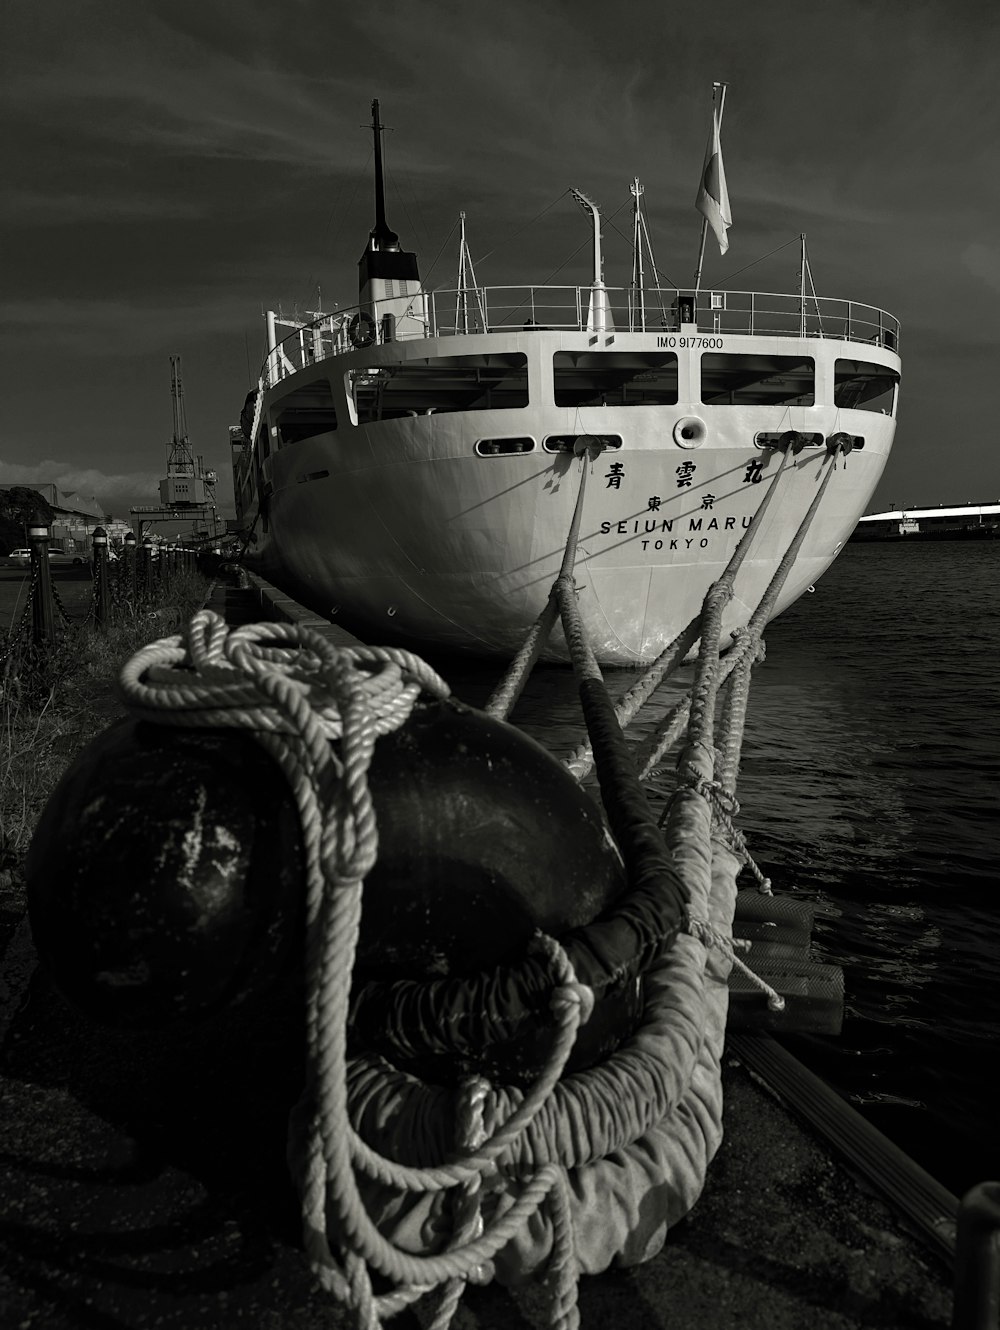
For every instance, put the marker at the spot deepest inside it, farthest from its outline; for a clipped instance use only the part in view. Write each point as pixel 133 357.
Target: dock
pixel 145 1180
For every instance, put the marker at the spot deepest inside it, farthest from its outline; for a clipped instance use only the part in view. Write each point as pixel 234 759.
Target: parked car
pixel 21 558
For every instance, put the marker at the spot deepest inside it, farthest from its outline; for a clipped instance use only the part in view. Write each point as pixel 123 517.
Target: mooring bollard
pixel 43 619
pixel 127 579
pixel 977 1260
pixel 102 592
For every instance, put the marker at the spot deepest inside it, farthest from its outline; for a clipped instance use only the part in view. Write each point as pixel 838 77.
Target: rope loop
pixel 319 711
pixel 295 693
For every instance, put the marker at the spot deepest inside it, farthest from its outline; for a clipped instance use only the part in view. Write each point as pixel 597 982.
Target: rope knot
pixel 568 996
pixel 708 934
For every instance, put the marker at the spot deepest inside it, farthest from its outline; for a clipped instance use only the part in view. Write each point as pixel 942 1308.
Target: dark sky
pixel 170 169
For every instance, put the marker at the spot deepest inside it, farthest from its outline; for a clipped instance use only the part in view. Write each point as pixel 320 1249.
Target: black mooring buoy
pixel 165 878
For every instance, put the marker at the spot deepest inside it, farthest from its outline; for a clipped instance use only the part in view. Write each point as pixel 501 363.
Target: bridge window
pixel 614 378
pixel 757 380
pixel 435 384
pixel 863 386
pixel 306 412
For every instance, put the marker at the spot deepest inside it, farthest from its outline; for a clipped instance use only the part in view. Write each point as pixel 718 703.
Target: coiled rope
pixel 295 693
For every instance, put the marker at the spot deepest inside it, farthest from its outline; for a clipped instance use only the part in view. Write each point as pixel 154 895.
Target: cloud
pixel 35 208
pixel 983 262
pixel 116 493
pixel 112 327
pixel 211 102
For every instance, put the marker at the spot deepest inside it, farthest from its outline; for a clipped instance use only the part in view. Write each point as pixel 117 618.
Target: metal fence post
pixel 977 1260
pixel 128 574
pixel 43 620
pixel 146 571
pixel 102 597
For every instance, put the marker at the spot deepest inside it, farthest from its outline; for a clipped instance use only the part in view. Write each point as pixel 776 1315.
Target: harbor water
pixel 869 785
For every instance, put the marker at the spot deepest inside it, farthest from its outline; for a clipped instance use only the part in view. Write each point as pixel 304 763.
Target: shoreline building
pixel 74 516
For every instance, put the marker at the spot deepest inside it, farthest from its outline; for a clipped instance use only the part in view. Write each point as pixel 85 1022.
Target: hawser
pixel 403 461
pixel 513 999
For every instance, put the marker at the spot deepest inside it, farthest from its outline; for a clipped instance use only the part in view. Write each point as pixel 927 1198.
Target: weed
pixel 55 700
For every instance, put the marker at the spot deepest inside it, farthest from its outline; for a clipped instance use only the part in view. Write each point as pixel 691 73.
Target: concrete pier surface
pixel 144 1185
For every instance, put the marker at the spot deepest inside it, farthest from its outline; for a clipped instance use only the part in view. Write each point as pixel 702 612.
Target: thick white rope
pixel 295 692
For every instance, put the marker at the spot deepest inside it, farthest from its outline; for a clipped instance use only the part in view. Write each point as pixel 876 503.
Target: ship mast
pixel 597 314
pixel 640 240
pixel 388 277
pixel 466 281
pixel 638 294
pixel 381 236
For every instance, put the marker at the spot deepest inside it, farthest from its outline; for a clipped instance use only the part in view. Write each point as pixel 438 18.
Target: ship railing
pixel 779 314
pixel 666 311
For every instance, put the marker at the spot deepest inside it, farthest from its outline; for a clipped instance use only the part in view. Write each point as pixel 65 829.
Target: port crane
pixel 187 491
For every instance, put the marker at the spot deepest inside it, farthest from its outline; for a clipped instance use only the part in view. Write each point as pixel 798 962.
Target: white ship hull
pixel 403 527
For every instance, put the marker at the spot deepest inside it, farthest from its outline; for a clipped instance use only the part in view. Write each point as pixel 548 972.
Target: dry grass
pixel 55 702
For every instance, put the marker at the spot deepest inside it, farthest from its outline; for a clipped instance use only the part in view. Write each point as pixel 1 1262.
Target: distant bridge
pixel 945 522
pixel 964 512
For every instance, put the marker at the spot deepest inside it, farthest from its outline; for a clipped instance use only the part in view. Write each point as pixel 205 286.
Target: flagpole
pixel 704 220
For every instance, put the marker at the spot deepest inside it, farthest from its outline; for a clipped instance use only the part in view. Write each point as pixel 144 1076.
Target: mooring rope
pixel 689 824
pixel 581 760
pixel 295 692
pixel 710 936
pixel 747 649
pixel 508 690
